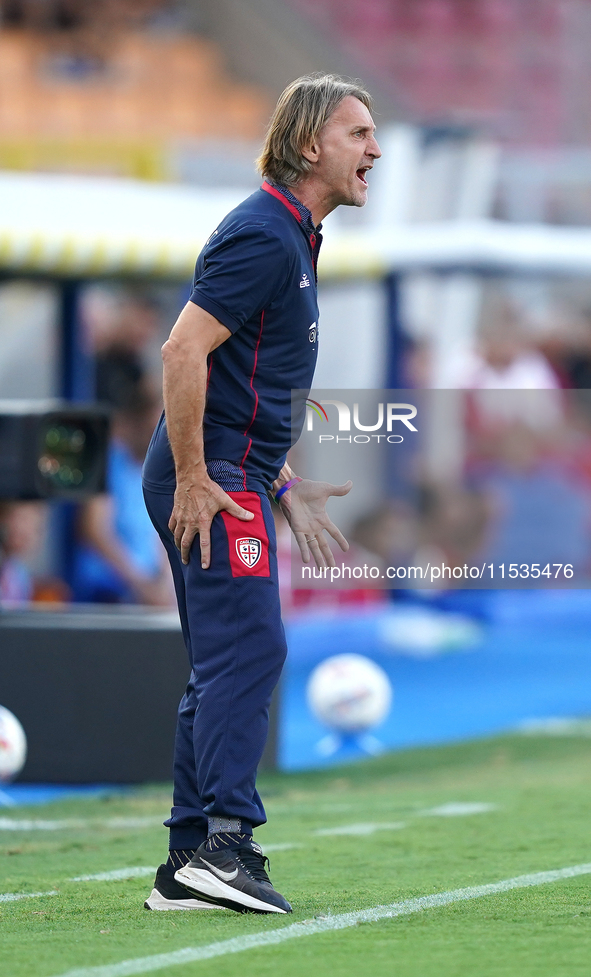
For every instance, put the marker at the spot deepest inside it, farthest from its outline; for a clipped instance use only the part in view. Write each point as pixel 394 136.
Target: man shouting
pixel 246 338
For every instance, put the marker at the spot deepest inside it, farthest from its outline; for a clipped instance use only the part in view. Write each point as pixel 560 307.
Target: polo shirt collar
pixel 297 208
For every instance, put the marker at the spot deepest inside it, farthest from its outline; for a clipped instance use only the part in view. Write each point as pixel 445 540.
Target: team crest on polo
pixel 249 550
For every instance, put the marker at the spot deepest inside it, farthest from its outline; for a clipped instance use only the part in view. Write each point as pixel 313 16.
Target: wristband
pixel 287 486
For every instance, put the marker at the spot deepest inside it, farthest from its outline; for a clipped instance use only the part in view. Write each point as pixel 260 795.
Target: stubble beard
pixel 359 198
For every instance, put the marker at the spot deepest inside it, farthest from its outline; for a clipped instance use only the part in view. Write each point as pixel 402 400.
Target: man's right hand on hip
pixel 195 504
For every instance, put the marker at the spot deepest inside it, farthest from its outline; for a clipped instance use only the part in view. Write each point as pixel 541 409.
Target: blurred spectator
pixel 120 558
pixel 122 326
pixel 570 352
pixel 453 522
pixel 22 528
pixel 538 513
pixel 390 531
pixel 418 365
pixel 82 31
pixel 507 358
pixel 323 596
pixel 505 355
pixel 17 538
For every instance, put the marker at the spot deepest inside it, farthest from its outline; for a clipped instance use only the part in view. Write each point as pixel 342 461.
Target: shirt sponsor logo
pixel 305 282
pixel 249 550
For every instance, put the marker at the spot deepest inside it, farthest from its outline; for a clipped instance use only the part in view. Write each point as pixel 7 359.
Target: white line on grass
pixel 13 896
pixel 136 872
pixel 281 846
pixel 311 927
pixel 12 824
pixel 459 808
pixel 144 822
pixel 360 829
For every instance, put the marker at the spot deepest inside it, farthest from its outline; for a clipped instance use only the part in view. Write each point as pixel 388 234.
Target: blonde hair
pixel 302 110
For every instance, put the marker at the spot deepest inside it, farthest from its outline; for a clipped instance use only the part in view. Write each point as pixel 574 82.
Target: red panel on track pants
pixel 248 542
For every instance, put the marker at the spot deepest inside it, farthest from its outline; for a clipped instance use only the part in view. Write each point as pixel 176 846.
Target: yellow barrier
pixel 99 157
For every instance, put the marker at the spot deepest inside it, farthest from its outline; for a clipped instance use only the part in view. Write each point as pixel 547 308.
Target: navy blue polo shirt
pixel 257 276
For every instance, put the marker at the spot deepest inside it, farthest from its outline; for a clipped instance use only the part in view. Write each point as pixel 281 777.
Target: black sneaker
pixel 234 878
pixel 168 894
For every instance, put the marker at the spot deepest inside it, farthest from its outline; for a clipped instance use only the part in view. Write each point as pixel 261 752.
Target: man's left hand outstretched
pixel 304 507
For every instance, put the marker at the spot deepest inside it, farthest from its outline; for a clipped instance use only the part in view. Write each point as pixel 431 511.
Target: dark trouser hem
pixel 190 837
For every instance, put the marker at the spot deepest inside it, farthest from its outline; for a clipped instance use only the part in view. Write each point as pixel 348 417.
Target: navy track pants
pixel 231 621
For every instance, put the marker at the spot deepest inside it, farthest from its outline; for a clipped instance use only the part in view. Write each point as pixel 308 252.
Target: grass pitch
pixel 382 841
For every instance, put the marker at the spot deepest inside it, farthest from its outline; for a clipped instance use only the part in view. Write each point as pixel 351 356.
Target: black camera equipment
pixel 52 449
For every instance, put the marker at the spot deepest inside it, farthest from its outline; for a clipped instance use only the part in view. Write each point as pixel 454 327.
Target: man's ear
pixel 311 153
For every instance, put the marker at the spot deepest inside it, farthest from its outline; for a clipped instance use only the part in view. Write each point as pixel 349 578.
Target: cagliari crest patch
pixel 249 550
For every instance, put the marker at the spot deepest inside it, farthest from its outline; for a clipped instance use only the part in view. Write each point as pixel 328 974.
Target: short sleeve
pixel 243 271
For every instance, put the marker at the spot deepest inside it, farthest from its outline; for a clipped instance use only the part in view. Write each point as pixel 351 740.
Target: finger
pixel 185 542
pixel 300 539
pixel 236 510
pixel 326 550
pixel 317 553
pixel 341 489
pixel 178 535
pixel 205 546
pixel 337 535
pixel 172 525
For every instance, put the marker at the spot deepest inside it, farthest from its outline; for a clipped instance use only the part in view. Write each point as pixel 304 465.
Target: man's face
pixel 345 150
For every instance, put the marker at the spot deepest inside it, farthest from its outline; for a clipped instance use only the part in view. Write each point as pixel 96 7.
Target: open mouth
pixel 361 175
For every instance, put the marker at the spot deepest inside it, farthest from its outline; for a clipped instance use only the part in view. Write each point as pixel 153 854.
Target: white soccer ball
pixel 13 745
pixel 349 693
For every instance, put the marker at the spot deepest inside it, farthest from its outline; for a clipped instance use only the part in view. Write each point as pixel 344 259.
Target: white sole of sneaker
pixel 159 903
pixel 204 883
